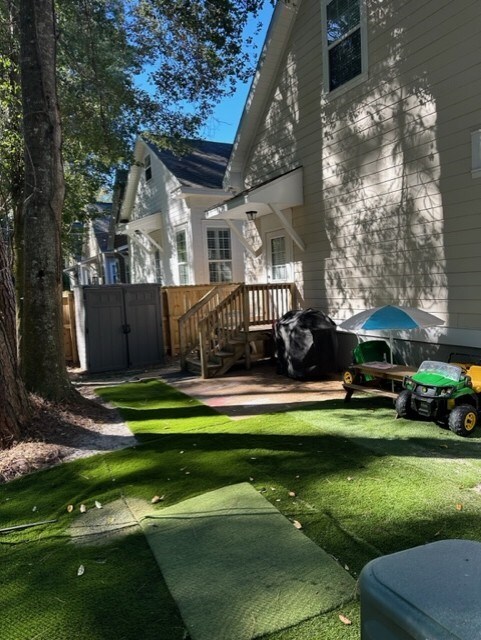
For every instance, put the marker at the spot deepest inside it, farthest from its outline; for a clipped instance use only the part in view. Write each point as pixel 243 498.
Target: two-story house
pixel 360 150
pixel 162 212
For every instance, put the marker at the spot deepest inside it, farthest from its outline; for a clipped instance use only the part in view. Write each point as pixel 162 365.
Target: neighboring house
pixel 360 150
pixel 162 211
pixel 101 255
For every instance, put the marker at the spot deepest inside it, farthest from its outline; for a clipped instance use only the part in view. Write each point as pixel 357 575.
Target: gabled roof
pixel 268 66
pixel 103 228
pixel 203 167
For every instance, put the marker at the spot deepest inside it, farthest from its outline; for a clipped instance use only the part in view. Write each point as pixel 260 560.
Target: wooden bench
pixel 381 372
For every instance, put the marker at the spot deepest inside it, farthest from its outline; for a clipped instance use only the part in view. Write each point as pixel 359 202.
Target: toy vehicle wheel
pixel 403 405
pixel 463 419
pixel 350 377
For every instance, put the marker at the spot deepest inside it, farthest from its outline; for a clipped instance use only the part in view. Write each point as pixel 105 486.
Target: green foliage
pixel 190 54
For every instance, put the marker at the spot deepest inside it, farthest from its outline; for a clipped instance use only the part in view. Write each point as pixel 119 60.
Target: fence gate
pixel 119 326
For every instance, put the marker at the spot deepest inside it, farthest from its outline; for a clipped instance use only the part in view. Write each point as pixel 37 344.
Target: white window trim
pixel 187 263
pixel 147 166
pixel 269 236
pixel 217 227
pixel 363 76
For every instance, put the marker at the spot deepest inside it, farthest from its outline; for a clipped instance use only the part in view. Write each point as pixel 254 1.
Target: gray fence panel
pixel 105 320
pixel 119 326
pixel 142 306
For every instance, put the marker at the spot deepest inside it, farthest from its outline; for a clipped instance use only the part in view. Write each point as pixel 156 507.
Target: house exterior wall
pixel 153 196
pixel 178 214
pixel 392 210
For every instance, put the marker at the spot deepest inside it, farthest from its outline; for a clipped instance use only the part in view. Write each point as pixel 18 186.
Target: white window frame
pixel 209 261
pixel 272 235
pixel 360 78
pixel 182 263
pixel 148 168
pixel 476 153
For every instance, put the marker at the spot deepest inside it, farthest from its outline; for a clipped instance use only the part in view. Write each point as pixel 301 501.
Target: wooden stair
pixel 215 339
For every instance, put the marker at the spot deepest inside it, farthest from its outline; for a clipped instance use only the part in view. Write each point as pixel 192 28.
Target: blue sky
pixel 223 125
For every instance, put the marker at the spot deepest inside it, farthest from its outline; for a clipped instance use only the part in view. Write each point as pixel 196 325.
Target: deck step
pixel 194 366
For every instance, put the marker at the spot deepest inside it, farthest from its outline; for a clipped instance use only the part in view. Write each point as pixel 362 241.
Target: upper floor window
pixel 344 42
pixel 147 168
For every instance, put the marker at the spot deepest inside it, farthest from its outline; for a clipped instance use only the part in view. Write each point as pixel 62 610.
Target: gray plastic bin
pixel 431 592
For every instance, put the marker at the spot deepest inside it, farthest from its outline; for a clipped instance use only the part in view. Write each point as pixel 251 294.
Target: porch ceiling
pixel 283 192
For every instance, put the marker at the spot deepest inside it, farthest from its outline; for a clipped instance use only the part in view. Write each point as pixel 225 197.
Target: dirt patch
pixel 61 432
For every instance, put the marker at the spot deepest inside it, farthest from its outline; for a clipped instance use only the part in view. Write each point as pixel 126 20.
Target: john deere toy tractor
pixel 446 392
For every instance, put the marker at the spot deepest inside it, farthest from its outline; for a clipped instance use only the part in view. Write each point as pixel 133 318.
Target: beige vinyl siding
pixel 392 213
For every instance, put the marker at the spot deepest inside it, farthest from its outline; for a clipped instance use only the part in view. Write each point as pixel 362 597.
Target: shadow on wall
pixel 381 182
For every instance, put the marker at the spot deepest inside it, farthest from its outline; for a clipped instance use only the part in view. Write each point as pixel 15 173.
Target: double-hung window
pixel 182 257
pixel 147 168
pixel 344 42
pixel 279 252
pixel 219 254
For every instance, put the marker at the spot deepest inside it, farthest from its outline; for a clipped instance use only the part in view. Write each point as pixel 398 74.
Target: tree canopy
pixel 71 103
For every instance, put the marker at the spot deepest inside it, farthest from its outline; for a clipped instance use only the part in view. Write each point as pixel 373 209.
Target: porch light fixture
pixel 251 215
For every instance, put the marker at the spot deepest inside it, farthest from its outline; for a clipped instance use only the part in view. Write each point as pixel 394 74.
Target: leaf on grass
pixel 98 504
pixel 297 524
pixel 459 507
pixel 83 508
pixel 349 478
pixel 34 509
pixel 81 570
pixel 70 508
pixel 344 620
pixel 157 499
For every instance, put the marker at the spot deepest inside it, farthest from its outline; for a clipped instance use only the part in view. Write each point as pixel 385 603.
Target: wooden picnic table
pixel 381 372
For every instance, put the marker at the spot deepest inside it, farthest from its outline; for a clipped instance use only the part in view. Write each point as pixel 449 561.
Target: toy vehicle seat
pixel 474 373
pixel 373 351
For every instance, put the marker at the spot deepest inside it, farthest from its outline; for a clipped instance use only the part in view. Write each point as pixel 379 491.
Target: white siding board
pixel 389 197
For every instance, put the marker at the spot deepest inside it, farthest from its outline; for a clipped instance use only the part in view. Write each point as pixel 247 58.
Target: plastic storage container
pixel 431 592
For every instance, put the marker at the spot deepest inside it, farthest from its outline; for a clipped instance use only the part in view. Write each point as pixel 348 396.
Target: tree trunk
pixel 14 405
pixel 42 360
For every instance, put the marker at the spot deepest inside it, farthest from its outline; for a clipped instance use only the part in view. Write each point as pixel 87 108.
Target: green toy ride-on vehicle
pixel 446 392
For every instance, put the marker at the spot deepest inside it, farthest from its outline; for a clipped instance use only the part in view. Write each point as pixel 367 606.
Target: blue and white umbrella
pixel 391 318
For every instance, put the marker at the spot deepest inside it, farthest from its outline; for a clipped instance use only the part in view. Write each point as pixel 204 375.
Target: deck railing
pixel 218 324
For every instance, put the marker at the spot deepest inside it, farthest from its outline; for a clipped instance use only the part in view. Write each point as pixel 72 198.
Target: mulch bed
pixel 53 434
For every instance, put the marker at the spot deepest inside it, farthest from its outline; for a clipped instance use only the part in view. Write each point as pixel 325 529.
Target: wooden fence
pixel 69 331
pixel 176 302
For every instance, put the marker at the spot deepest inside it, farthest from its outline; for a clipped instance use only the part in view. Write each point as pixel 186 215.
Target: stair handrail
pixel 188 322
pixel 221 325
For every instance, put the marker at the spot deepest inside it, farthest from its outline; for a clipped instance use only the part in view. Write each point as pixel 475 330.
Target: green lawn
pixel 365 484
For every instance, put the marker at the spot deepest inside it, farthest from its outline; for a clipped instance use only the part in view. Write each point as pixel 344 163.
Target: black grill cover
pixel 306 344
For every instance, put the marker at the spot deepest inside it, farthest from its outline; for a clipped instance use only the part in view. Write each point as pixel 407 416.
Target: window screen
pixel 343 34
pixel 219 255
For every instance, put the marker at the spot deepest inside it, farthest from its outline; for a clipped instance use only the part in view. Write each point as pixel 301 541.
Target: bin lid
pixel 440 581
